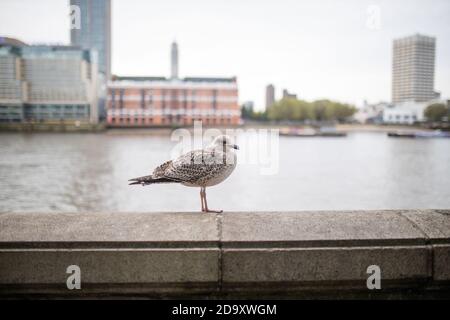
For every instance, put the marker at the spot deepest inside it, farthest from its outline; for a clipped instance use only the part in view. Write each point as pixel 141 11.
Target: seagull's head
pixel 224 142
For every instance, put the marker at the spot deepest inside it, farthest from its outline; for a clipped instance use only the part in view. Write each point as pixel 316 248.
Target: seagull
pixel 198 168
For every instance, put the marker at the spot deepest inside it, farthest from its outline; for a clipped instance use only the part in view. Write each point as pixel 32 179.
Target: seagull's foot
pixel 213 211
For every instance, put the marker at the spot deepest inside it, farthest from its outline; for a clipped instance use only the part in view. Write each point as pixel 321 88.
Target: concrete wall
pixel 236 254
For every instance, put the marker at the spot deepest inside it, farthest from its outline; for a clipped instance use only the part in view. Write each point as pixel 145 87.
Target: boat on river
pixel 419 134
pixel 310 132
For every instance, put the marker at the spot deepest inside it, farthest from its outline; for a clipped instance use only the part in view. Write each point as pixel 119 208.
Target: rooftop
pixel 416 37
pixel 187 79
pixel 11 42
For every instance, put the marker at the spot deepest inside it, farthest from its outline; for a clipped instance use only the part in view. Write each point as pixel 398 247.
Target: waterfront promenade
pixel 233 254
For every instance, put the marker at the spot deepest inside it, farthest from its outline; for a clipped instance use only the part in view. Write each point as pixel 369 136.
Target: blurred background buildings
pixel 413 69
pixel 74 83
pixel 47 83
pixel 413 73
pixel 147 101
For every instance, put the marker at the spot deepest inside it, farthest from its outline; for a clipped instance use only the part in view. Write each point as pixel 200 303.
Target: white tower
pixel 174 61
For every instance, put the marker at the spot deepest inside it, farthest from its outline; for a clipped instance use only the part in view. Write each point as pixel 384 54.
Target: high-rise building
pixel 174 61
pixel 94 31
pixel 413 69
pixel 47 83
pixel 270 95
pixel 288 95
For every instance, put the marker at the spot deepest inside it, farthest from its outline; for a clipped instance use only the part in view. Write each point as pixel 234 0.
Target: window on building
pixel 214 97
pixel 150 98
pixel 113 98
pixel 193 100
pixel 185 99
pixel 163 99
pixel 122 91
pixel 142 98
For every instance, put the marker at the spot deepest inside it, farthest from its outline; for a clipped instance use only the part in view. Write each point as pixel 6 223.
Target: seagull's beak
pixel 235 146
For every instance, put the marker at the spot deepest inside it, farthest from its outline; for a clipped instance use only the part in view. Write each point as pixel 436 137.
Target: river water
pixel 89 172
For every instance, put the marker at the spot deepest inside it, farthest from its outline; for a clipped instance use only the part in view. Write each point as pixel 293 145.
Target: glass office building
pixel 94 31
pixel 47 83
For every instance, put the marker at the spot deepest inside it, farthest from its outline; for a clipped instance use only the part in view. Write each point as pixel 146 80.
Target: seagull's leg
pixel 206 204
pixel 201 199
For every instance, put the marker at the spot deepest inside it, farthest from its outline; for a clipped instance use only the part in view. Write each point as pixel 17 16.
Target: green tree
pixel 436 112
pixel 322 110
pixel 282 110
pixel 246 112
pixel 343 111
pixel 300 110
pixel 260 115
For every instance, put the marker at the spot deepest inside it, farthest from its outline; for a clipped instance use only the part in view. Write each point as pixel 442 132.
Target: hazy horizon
pixel 316 49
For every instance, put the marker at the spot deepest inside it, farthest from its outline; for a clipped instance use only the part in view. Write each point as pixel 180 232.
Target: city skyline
pixel 346 55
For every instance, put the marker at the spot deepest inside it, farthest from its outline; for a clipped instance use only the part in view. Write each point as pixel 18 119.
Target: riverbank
pixel 52 127
pixel 102 128
pixel 340 128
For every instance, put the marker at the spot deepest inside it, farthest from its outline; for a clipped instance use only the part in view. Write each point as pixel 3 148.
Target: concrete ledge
pixel 236 254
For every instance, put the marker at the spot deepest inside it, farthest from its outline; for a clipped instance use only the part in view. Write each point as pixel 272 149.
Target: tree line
pixel 291 109
pixel 437 112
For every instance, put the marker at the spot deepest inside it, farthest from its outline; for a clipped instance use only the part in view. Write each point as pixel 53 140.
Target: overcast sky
pixel 333 49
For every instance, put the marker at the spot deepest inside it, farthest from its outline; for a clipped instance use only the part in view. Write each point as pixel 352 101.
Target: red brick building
pixel 157 101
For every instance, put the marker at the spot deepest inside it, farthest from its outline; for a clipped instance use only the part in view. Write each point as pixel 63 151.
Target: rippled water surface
pixel 89 172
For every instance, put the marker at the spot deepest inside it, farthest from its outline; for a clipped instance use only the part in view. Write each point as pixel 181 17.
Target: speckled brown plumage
pixel 199 168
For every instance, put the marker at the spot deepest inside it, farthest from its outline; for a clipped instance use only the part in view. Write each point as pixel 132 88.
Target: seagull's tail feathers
pixel 145 180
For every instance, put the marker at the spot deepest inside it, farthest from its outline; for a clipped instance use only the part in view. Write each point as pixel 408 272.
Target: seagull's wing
pixel 190 166
pixel 160 170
